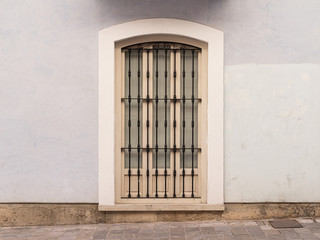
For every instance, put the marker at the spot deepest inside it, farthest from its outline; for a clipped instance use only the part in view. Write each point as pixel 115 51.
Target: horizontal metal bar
pixel 169 46
pixel 162 99
pixel 159 148
pixel 168 49
pixel 157 197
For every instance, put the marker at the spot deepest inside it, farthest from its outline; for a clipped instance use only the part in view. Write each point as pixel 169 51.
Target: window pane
pixel 188 108
pixel 134 108
pixel 161 107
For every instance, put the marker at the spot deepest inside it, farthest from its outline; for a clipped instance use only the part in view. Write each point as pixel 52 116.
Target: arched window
pixel 161 123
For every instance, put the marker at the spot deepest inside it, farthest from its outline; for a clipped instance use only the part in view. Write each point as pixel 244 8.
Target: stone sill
pixel 161 207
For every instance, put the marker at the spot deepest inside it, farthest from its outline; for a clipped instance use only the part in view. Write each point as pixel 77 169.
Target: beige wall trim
pixel 67 214
pixel 162 207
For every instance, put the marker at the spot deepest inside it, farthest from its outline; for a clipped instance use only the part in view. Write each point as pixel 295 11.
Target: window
pixel 162 96
pixel 113 113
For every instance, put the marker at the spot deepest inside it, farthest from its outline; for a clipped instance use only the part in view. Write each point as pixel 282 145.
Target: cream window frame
pixel 214 194
pixel 202 132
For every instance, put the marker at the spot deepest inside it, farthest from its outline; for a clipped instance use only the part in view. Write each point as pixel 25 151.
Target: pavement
pixel 219 230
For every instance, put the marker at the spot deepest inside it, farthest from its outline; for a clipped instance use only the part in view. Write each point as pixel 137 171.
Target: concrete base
pixel 49 214
pixel 65 214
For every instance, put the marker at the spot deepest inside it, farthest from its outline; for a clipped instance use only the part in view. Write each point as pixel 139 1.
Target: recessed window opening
pixel 160 103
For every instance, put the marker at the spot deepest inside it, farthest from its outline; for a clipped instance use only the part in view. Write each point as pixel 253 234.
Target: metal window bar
pixel 161 46
pixel 163 99
pixel 182 149
pixel 183 48
pixel 138 125
pixel 165 125
pixel 161 148
pixel 156 122
pixel 192 126
pixel 129 124
pixel 147 123
pixel 183 120
pixel 174 122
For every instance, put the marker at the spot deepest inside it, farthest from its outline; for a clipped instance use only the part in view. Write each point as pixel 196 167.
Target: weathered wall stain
pixel 66 214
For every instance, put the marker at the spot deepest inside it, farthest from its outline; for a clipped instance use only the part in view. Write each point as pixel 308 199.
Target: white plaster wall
pixel 272 133
pixel 49 94
pixel 48 106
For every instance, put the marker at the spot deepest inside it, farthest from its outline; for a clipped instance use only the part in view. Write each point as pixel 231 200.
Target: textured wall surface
pixel 49 94
pixel 22 214
pixel 272 138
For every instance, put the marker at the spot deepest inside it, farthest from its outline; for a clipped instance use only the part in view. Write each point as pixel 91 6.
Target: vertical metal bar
pixel 165 123
pixel 138 124
pixel 156 123
pixel 174 124
pixel 129 124
pixel 183 119
pixel 192 125
pixel 147 123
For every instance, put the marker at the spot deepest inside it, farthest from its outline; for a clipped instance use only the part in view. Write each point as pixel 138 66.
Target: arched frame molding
pixel 107 39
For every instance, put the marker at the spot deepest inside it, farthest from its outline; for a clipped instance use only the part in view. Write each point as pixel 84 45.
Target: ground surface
pixel 241 230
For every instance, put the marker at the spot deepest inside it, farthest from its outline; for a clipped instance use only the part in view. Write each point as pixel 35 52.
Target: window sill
pixel 161 207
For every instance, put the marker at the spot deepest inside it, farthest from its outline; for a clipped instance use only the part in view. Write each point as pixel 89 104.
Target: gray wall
pixel 49 94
